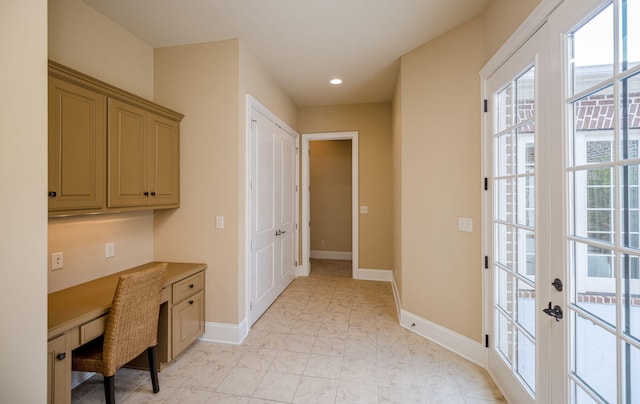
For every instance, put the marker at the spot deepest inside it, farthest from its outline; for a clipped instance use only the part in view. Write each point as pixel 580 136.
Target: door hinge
pixel 295 263
pixel 486 262
pixel 486 340
pixel 486 183
pixel 486 106
pixel 250 306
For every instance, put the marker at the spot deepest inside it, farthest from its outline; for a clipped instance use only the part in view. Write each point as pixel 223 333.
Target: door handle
pixel 555 312
pixel 278 232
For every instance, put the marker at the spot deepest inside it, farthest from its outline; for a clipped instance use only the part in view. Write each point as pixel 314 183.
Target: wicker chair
pixel 132 328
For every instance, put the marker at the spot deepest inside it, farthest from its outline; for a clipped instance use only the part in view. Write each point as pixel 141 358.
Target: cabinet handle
pixel 191 286
pixel 52 194
pixel 190 301
pixel 153 194
pixel 61 356
pixel 146 193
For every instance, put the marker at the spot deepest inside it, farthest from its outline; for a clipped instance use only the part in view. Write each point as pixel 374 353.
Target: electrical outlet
pixel 109 250
pixel 219 222
pixel 364 209
pixel 57 261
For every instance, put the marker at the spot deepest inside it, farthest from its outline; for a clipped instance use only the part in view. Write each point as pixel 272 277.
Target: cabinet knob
pixel 190 301
pixel 52 194
pixel 146 193
pixel 61 356
pixel 191 286
pixel 153 194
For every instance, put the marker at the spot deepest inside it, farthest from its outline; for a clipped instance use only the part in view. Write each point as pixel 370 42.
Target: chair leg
pixel 109 389
pixel 153 368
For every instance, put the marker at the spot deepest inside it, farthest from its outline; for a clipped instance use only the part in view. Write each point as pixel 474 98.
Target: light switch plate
pixel 219 222
pixel 364 209
pixel 57 261
pixel 465 224
pixel 109 250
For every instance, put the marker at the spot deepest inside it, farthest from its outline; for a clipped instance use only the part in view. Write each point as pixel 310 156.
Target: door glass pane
pixel 526 360
pixel 630 116
pixel 594 276
pixel 631 296
pixel 630 29
pixel 579 396
pixel 526 307
pixel 631 386
pixel 525 97
pixel 514 227
pixel 505 339
pixel 504 112
pixel 589 67
pixel 594 358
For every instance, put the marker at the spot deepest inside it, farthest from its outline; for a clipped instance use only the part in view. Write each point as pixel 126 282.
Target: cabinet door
pixel 188 322
pixel 164 161
pixel 128 155
pixel 77 130
pixel 58 371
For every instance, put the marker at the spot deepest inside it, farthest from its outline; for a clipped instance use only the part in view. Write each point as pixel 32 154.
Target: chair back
pixel 132 326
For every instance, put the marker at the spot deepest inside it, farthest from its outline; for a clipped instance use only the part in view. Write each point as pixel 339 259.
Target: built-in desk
pixel 78 314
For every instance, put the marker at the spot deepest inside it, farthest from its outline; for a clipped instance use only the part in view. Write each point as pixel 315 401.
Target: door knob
pixel 557 283
pixel 555 312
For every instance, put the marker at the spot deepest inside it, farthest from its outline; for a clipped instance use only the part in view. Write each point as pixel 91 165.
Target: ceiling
pixel 303 43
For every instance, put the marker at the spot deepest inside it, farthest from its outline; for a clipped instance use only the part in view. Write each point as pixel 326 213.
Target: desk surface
pixel 74 306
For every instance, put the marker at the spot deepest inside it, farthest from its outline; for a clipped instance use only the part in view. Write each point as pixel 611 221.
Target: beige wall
pixel 501 19
pixel 373 123
pixel 207 82
pixel 440 149
pixel 86 40
pixel 330 196
pixel 201 81
pixel 437 171
pixel 23 180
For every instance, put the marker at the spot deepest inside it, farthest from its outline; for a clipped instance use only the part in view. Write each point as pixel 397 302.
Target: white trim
pixel 226 333
pixel 396 295
pixel 300 270
pixel 332 255
pixel 531 24
pixel 457 343
pixel 384 275
pixel 306 215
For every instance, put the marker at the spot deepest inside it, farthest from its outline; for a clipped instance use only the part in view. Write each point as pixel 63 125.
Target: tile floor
pixel 326 339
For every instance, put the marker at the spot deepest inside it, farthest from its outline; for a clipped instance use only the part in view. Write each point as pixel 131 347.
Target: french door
pixel 518 174
pixel 563 209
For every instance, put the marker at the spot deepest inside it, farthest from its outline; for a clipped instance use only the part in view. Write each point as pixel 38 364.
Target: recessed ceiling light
pixel 335 81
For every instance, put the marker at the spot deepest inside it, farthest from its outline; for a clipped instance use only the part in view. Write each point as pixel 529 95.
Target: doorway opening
pixel 319 246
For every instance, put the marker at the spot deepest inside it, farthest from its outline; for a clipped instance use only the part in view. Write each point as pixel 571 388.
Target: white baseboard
pixel 461 345
pixel 331 255
pixel 375 274
pixel 226 333
pixel 300 271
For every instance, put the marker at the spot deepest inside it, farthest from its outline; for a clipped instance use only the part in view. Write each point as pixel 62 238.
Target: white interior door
pixel 273 212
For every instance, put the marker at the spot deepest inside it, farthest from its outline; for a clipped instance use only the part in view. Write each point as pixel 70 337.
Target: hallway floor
pixel 326 339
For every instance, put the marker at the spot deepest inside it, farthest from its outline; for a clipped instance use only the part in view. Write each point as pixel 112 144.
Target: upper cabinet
pixel 77 129
pixel 109 150
pixel 143 157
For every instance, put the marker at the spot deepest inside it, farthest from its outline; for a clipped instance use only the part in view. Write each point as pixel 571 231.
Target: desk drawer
pixel 187 287
pixel 93 329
